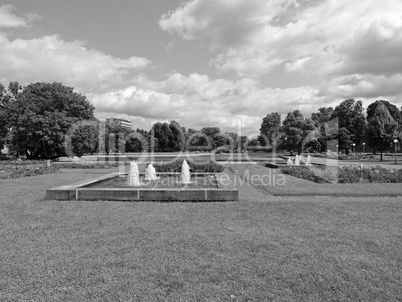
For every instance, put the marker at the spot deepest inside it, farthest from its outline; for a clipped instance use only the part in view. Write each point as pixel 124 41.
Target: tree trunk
pixel 381 156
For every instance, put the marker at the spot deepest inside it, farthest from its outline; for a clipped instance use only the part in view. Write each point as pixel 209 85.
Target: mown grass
pixel 270 249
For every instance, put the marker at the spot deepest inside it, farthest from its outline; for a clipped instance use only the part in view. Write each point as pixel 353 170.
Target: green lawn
pixel 262 248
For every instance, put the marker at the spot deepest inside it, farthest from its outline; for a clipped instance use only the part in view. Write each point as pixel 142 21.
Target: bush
pixel 377 174
pixel 347 174
pixel 304 172
pixel 340 156
pixel 21 162
pixel 8 171
pixel 87 165
pixel 194 167
pixel 221 150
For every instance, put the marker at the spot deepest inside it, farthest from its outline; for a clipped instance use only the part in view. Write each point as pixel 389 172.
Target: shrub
pixel 8 171
pixel 21 162
pixel 304 172
pixel 340 156
pixel 87 165
pixel 346 174
pixel 221 150
pixel 175 166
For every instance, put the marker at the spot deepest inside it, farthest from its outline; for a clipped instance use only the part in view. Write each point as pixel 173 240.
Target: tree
pixel 7 96
pixel 270 129
pixel 322 119
pixel 393 110
pixel 137 141
pixel 381 128
pixel 213 134
pixel 298 130
pixel 176 140
pixel 41 115
pixel 350 116
pixel 85 140
pixel 115 136
pixel 196 140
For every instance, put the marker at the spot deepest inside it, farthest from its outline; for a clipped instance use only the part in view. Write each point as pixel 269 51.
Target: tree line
pixel 339 128
pixel 48 120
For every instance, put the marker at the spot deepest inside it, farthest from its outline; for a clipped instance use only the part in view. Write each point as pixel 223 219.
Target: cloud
pixel 326 38
pixel 50 58
pixel 197 101
pixel 8 19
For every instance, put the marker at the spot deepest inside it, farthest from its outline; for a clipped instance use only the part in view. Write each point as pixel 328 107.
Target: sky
pixel 222 63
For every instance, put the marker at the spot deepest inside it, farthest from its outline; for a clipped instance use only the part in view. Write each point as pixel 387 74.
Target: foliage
pixel 169 137
pixel 194 166
pixel 304 172
pixel 87 165
pixel 176 137
pixel 351 123
pixel 346 174
pixel 85 140
pixel 392 109
pixel 326 123
pixel 17 171
pixel 41 115
pixel 220 150
pixel 115 137
pixel 21 162
pixel 7 95
pixel 298 131
pixel 340 156
pixel 270 129
pixel 134 144
pixel 381 128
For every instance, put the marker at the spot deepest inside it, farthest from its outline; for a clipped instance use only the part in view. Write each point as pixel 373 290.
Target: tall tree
pixel 42 114
pixel 381 128
pixel 270 129
pixel 177 137
pixel 298 130
pixel 393 110
pixel 351 117
pixel 321 121
pixel 7 96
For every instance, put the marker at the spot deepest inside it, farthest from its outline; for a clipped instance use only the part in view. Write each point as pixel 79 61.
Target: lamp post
pixel 395 142
pixel 354 148
pixel 337 151
pixel 364 144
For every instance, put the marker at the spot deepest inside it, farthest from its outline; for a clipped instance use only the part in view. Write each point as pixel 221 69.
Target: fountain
pixel 150 173
pixel 185 172
pixel 297 162
pixel 133 177
pixel 171 186
pixel 308 160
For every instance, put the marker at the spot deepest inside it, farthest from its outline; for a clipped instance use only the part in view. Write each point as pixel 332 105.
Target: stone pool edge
pixel 78 191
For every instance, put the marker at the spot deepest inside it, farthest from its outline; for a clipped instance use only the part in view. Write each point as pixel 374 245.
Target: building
pixel 121 122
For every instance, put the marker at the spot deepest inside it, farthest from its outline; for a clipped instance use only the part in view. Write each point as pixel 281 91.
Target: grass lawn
pixel 263 248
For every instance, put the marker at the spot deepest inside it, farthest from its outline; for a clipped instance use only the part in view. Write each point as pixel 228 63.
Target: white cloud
pixel 9 19
pixel 50 58
pixel 328 38
pixel 196 101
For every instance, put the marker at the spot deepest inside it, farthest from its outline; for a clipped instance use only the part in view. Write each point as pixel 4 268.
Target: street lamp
pixel 354 148
pixel 395 142
pixel 337 149
pixel 364 144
